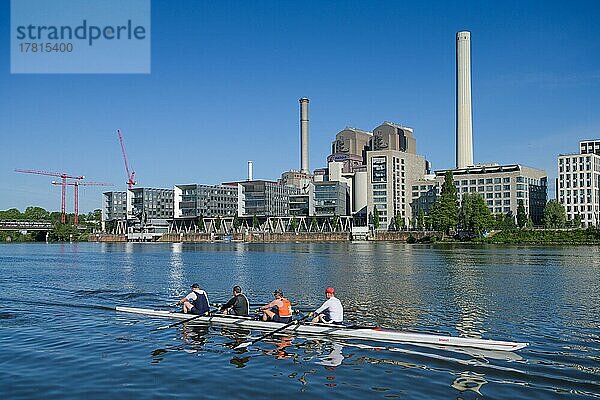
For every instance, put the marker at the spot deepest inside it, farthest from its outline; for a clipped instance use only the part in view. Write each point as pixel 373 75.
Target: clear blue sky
pixel 227 75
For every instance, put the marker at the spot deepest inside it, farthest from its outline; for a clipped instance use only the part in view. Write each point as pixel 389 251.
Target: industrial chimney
pixel 464 120
pixel 304 135
pixel 249 170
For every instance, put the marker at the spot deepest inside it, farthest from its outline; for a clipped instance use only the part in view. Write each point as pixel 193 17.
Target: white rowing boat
pixel 340 332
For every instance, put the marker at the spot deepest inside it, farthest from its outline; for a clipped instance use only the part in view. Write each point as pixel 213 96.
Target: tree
pixel 294 223
pixel 474 216
pixel 444 213
pixel 554 215
pixel 336 222
pixel 577 221
pixel 255 223
pixel 36 214
pixel 521 215
pixel 200 223
pixel 399 221
pixel 218 223
pixel 375 217
pixel 11 214
pixel 313 223
pixel 236 223
pixel 508 223
pixel 420 219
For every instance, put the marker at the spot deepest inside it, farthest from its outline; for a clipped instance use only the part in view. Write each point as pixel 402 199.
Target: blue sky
pixel 226 78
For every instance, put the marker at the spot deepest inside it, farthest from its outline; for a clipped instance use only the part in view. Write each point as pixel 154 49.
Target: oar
pixel 246 344
pixel 209 314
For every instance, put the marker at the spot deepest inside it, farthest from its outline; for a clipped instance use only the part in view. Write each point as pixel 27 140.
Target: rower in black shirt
pixel 238 304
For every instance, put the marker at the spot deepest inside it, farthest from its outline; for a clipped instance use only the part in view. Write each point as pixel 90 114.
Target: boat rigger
pixel 336 331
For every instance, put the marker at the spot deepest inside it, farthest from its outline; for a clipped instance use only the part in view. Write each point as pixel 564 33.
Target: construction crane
pixel 64 178
pixel 130 175
pixel 76 185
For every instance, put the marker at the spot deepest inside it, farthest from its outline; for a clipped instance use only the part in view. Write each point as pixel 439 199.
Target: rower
pixel 238 304
pixel 196 302
pixel 331 312
pixel 279 310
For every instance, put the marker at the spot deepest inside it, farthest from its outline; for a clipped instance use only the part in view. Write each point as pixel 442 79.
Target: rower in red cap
pixel 331 312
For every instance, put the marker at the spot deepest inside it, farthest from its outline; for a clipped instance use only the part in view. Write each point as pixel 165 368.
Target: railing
pixel 25 225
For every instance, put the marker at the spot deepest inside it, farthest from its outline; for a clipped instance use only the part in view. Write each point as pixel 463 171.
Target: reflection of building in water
pixel 469 381
pixel 467 289
pixel 176 274
pixel 334 358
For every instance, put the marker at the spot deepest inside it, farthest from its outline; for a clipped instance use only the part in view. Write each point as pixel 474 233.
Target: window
pixel 506 180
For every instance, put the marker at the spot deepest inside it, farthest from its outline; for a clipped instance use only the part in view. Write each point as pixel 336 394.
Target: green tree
pixel 474 216
pixel 521 215
pixel 336 222
pixel 236 223
pixel 200 223
pixel 11 214
pixel 399 220
pixel 420 219
pixel 255 223
pixel 313 223
pixel 577 221
pixel 375 217
pixel 554 215
pixel 294 223
pixel 444 213
pixel 36 214
pixel 218 223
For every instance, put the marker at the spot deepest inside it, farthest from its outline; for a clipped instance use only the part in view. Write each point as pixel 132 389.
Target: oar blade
pixel 242 345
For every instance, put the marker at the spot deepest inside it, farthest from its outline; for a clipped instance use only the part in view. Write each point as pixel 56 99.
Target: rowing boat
pixel 339 332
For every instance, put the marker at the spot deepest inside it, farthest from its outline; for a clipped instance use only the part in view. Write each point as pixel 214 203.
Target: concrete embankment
pixel 268 237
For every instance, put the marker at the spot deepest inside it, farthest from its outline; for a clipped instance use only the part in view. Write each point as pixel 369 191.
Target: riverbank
pixel 543 236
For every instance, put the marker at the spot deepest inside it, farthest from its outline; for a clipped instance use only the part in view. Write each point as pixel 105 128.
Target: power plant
pixel 370 175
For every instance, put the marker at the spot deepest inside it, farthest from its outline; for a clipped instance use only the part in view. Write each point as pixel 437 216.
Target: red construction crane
pixel 64 177
pixel 130 175
pixel 76 185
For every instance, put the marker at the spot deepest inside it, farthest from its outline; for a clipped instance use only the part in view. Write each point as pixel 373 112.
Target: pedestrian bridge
pixel 24 225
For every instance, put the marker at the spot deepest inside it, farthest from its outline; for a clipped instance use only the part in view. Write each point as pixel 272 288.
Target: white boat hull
pixel 339 332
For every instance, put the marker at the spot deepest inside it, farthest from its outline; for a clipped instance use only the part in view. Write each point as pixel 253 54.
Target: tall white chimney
pixel 464 119
pixel 304 135
pixel 249 170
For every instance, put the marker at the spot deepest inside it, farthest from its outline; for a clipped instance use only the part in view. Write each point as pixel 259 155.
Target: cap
pixel 330 290
pixel 237 289
pixel 278 292
pixel 195 286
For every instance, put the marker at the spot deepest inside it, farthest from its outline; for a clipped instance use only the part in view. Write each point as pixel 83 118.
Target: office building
pixel 192 201
pixel 265 198
pixel 578 183
pixel 501 186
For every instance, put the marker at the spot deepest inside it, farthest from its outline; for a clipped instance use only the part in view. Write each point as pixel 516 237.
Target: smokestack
pixel 249 170
pixel 304 135
pixel 464 119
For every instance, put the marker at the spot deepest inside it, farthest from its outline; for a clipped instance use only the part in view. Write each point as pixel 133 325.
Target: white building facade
pixel 578 183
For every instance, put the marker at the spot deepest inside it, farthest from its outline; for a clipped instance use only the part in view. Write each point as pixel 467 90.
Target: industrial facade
pixel 578 183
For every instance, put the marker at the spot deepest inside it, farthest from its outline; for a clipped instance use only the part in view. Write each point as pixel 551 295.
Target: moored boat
pixel 336 331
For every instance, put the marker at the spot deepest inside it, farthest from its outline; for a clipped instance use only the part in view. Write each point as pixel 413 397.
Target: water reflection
pixel 334 358
pixel 176 271
pixel 469 381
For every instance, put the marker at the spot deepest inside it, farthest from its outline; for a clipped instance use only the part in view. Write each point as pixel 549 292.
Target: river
pixel 61 337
